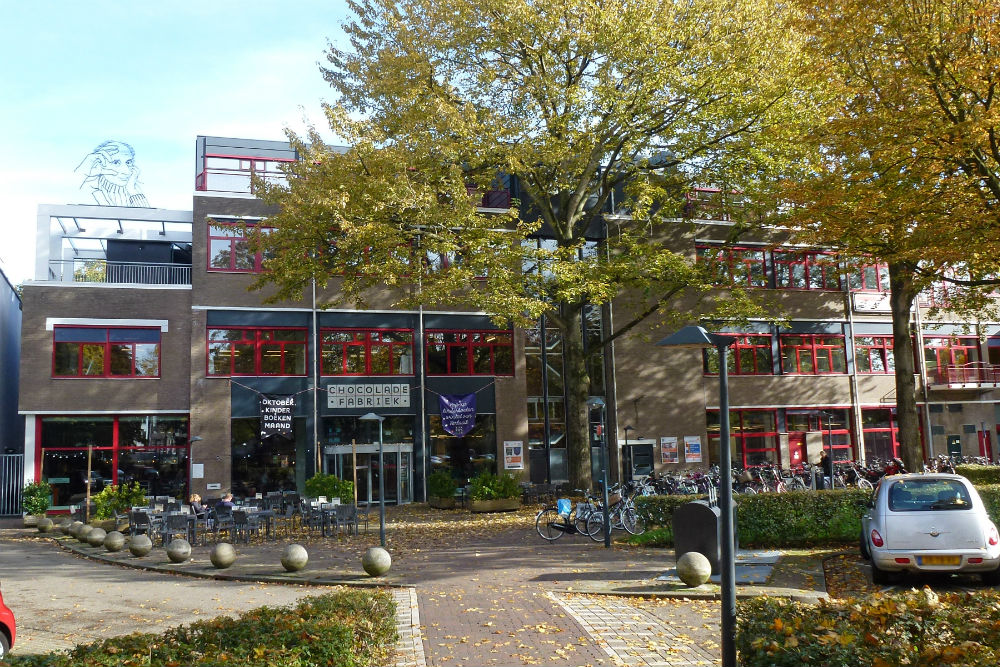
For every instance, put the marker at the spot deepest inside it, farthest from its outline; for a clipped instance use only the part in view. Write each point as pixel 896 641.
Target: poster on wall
pixel 513 455
pixel 276 411
pixel 668 449
pixel 692 448
pixel 458 413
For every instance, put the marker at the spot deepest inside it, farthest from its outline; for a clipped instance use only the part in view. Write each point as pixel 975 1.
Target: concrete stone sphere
pixel 67 528
pixel 376 561
pixel 74 528
pixel 95 537
pixel 83 531
pixel 140 545
pixel 294 558
pixel 179 550
pixel 114 541
pixel 694 569
pixel 223 555
pixel 45 525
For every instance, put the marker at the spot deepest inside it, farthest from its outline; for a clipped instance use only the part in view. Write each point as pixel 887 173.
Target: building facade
pixel 146 357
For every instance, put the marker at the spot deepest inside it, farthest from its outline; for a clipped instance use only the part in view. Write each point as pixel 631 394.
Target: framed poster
pixel 692 448
pixel 513 455
pixel 668 449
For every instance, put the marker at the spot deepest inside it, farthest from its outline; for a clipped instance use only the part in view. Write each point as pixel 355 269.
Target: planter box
pixel 31 520
pixel 441 503
pixel 499 505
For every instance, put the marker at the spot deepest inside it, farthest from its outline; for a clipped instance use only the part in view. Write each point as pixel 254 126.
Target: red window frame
pixel 107 339
pixel 814 350
pixel 260 342
pixel 837 435
pixel 892 431
pixel 735 265
pixel 234 240
pixel 364 340
pixel 742 435
pixel 943 353
pixel 479 346
pixel 805 270
pixel 746 356
pixel 868 278
pixel 882 346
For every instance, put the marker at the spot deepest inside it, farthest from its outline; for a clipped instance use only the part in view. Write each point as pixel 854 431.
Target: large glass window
pixel 869 278
pixel 741 267
pixel 132 352
pixel 470 352
pixel 833 423
pixel 749 355
pixel 940 352
pixel 806 270
pixel 753 436
pixel 880 433
pixel 812 354
pixel 467 456
pixel 262 465
pixel 873 354
pixel 367 352
pixel 229 250
pixel 251 351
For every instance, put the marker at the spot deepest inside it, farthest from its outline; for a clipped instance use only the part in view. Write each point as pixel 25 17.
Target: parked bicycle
pixel 554 521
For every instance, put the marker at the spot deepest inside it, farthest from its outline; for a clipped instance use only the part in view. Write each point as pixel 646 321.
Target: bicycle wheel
pixel 865 484
pixel 797 484
pixel 633 521
pixel 545 524
pixel 595 526
pixel 580 520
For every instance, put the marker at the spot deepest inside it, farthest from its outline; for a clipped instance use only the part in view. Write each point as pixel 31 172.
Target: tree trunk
pixel 577 391
pixel 901 298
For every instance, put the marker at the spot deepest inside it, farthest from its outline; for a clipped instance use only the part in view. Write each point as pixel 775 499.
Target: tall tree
pixel 907 167
pixel 606 113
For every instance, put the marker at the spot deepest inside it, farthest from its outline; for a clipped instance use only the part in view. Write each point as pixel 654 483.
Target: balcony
pixel 490 198
pixel 119 273
pixel 976 375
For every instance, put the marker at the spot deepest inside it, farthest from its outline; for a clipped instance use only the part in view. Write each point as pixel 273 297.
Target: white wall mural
pixel 112 177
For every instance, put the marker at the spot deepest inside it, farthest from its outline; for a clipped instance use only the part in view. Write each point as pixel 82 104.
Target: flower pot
pixel 441 503
pixel 498 505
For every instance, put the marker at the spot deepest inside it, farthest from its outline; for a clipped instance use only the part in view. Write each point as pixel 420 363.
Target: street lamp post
pixel 592 403
pixel 698 337
pixel 372 417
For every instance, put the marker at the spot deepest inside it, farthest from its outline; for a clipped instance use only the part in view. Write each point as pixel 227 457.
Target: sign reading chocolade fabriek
pixel 276 411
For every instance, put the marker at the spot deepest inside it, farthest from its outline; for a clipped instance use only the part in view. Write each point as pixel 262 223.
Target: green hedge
pixel 350 628
pixel 979 474
pixel 908 628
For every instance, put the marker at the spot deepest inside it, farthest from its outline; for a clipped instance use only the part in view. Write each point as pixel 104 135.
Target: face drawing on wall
pixel 111 175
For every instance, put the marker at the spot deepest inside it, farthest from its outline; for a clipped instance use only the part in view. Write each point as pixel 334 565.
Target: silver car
pixel 929 523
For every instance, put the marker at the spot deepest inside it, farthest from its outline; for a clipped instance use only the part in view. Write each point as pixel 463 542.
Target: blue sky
pixel 154 75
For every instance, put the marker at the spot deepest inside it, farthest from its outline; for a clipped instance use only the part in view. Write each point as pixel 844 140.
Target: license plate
pixel 940 560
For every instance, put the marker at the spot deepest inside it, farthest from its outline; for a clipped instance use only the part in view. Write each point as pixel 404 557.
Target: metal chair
pixel 139 523
pixel 245 524
pixel 347 516
pixel 173 524
pixel 222 520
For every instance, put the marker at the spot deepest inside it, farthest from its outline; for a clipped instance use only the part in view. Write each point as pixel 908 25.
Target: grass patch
pixel 348 628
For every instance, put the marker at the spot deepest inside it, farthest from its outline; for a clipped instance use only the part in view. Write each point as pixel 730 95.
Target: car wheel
pixel 865 553
pixel 992 578
pixel 879 577
pixel 4 645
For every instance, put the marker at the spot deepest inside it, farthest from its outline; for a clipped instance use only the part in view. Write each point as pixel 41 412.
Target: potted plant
pixel 35 499
pixel 112 504
pixel 330 486
pixel 494 493
pixel 441 489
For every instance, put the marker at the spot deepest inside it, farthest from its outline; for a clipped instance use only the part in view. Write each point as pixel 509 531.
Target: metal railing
pixel 976 373
pixel 11 483
pixel 231 180
pixel 132 273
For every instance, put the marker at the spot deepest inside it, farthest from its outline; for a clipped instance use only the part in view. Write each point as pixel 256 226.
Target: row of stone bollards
pixel 375 561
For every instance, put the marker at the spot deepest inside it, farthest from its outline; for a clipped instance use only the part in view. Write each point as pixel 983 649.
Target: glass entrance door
pixel 361 467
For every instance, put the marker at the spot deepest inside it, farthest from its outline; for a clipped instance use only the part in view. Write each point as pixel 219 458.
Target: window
pixel 812 354
pixel 834 425
pixel 880 434
pixel 106 352
pixel 873 354
pixel 870 278
pixel 229 250
pixel 753 436
pixel 249 351
pixel 942 352
pixel 749 355
pixel 470 353
pixel 740 267
pixel 806 270
pixel 367 352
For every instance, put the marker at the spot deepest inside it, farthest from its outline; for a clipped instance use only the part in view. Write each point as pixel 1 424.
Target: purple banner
pixel 458 413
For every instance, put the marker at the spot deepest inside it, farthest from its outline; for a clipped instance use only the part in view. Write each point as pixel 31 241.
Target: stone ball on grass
pixel 179 550
pixel 45 525
pixel 95 537
pixel 223 555
pixel 376 561
pixel 694 568
pixel 114 541
pixel 140 545
pixel 294 558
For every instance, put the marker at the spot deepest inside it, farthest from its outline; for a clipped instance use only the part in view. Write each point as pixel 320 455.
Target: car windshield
pixel 916 495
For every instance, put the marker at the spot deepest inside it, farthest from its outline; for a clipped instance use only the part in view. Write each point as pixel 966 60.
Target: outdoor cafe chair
pixel 244 525
pixel 173 524
pixel 347 516
pixel 139 523
pixel 222 520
